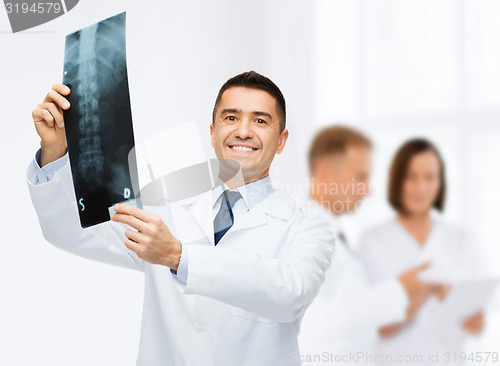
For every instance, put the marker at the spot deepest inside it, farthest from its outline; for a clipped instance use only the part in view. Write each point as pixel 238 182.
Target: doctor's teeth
pixel 242 148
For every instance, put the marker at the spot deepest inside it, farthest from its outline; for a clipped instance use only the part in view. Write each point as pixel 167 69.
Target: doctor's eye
pixel 260 120
pixel 231 118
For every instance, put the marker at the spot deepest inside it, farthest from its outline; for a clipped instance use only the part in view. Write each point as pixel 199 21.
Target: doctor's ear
pixel 212 134
pixel 282 141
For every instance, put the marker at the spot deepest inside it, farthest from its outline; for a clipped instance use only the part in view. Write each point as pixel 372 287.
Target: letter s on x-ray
pixel 81 204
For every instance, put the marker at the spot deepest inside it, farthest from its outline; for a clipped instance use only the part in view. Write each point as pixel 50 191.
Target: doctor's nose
pixel 244 130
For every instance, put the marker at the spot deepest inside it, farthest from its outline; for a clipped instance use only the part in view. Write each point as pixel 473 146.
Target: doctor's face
pixel 422 183
pixel 246 130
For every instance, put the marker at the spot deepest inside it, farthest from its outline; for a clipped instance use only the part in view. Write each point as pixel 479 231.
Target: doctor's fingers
pixel 137 212
pixel 135 247
pixel 49 113
pixel 56 96
pixel 131 221
pixel 61 89
pixel 137 236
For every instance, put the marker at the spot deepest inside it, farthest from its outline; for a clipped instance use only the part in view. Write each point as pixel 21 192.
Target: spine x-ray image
pixel 99 122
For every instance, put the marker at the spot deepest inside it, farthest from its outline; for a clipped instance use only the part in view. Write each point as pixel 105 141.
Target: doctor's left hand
pixel 152 241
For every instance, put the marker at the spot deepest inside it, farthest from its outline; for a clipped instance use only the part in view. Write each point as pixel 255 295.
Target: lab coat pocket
pixel 245 314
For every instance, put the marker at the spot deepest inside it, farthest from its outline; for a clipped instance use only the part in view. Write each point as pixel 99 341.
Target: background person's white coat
pixel 388 250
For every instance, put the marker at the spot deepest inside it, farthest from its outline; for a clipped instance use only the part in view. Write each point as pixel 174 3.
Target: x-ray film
pixel 99 122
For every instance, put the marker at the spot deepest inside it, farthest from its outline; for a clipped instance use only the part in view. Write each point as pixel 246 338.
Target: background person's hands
pixel 418 292
pixel 416 289
pixel 49 124
pixel 441 291
pixel 474 324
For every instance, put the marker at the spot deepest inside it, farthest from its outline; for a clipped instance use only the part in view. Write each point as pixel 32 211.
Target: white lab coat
pixel 389 249
pixel 344 318
pixel 244 298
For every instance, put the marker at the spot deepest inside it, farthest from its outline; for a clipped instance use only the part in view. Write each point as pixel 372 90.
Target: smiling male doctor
pixel 228 277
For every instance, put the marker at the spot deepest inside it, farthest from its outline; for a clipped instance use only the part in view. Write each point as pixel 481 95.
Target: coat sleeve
pixel 278 288
pixel 55 205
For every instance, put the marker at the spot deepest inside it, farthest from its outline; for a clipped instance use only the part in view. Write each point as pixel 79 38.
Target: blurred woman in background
pixel 417 188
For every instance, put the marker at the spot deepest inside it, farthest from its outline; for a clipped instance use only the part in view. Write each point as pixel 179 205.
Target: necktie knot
pixel 231 197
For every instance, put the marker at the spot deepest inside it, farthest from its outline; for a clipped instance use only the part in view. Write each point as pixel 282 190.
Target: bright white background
pixel 394 68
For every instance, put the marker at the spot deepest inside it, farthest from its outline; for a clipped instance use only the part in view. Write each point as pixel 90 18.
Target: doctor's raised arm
pixel 52 193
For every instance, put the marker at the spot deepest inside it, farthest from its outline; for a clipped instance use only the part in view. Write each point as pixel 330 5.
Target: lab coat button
pixel 189 289
pixel 200 327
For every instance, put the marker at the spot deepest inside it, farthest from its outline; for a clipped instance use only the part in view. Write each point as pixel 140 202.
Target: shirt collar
pixel 252 193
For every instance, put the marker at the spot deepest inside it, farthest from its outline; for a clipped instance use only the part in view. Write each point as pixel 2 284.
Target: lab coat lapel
pixel 202 213
pixel 273 206
pixel 255 217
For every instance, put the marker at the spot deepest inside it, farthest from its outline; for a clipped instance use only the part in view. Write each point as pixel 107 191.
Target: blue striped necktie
pixel 225 218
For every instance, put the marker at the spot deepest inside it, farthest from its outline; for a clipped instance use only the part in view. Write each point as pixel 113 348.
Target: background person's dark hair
pixel 335 140
pixel 399 168
pixel 254 80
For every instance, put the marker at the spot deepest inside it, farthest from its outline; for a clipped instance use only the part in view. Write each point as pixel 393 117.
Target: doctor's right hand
pixel 49 124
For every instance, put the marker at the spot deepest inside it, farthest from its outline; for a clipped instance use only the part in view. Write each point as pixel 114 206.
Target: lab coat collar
pixel 199 211
pixel 278 205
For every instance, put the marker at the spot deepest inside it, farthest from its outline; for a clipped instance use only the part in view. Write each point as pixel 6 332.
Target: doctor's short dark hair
pixel 254 80
pixel 399 168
